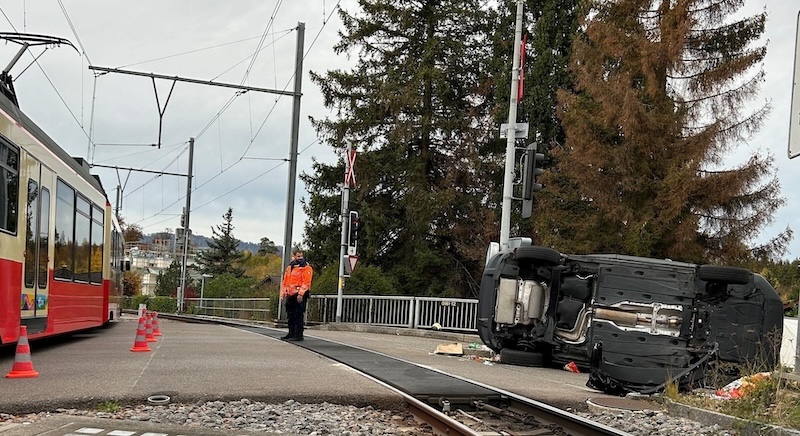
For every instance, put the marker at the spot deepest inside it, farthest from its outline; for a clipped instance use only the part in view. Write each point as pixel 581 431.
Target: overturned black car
pixel 635 323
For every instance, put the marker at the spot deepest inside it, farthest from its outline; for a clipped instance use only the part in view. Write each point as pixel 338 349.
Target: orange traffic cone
pixel 141 341
pixel 148 323
pixel 23 367
pixel 156 330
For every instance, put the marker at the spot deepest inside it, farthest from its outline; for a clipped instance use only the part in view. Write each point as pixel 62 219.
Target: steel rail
pixel 442 423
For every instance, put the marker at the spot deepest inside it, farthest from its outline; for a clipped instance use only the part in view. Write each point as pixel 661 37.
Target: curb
pixel 398 331
pixel 743 427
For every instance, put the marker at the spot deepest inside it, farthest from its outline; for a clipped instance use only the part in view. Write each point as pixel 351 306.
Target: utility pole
pixel 508 180
pixel 182 290
pixel 298 83
pixel 345 209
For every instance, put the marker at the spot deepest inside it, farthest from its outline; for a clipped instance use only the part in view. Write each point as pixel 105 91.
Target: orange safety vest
pixel 296 280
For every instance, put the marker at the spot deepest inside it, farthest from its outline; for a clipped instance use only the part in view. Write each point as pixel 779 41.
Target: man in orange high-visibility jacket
pixel 295 291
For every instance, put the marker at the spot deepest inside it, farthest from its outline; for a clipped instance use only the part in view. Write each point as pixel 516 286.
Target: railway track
pixel 448 404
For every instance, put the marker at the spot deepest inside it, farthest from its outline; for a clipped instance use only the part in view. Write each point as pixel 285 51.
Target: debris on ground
pixel 740 387
pixel 451 349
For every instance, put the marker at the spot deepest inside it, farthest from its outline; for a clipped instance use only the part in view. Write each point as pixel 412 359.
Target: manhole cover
pixel 158 399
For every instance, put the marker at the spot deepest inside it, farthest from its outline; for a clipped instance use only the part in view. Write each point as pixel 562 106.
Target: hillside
pixel 201 242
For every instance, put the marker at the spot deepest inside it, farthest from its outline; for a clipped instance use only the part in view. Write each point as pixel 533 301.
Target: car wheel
pixel 724 274
pixel 537 253
pixel 522 358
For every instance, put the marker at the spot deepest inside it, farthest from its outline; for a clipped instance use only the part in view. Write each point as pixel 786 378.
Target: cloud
pixel 121 109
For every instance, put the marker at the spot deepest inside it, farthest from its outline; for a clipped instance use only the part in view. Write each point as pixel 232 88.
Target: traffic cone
pixel 141 341
pixel 148 323
pixel 23 367
pixel 156 330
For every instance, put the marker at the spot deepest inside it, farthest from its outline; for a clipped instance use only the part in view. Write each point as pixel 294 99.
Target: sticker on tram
pixel 27 301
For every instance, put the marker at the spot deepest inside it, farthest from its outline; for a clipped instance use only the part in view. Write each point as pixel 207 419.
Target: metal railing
pixel 452 314
pixel 252 309
pixel 455 314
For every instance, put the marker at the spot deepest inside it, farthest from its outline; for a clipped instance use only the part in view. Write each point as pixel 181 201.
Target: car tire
pixel 538 253
pixel 724 274
pixel 522 358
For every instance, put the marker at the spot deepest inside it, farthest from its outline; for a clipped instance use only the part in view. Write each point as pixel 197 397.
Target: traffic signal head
pixel 533 163
pixel 353 224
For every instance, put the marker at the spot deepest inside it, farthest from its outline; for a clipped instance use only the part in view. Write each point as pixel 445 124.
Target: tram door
pixel 35 289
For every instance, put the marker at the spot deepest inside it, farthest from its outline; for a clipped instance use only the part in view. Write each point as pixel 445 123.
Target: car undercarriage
pixel 634 323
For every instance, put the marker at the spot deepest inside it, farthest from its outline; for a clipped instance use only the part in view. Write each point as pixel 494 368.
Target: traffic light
pixel 183 218
pixel 533 162
pixel 352 232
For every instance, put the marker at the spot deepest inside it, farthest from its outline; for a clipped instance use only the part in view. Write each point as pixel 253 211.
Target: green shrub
pixel 163 304
pixel 230 286
pixel 132 303
pixel 366 279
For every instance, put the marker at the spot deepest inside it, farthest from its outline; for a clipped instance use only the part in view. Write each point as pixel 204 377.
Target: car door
pixel 36 276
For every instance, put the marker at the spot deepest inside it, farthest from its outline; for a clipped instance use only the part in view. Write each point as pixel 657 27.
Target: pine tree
pixel 169 280
pixel 659 103
pixel 415 108
pixel 266 246
pixel 223 255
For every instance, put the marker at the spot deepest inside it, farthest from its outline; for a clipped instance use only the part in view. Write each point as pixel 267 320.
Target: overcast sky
pixel 250 140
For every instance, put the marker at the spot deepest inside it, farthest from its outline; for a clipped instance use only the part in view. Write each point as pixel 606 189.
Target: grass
pixel 108 406
pixel 769 401
pixel 772 400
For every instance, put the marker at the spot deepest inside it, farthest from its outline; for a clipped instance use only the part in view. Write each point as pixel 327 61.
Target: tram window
pixel 31 219
pixel 96 265
pixel 44 236
pixel 82 239
pixel 65 226
pixel 9 187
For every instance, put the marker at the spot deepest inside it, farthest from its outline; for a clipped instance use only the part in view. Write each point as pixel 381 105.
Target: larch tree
pixel 659 105
pixel 415 108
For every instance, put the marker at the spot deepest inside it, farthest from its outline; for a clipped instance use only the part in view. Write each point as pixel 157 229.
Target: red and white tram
pixel 60 248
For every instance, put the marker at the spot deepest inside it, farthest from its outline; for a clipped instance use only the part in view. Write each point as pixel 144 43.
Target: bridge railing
pixel 456 314
pixel 251 309
pixel 452 314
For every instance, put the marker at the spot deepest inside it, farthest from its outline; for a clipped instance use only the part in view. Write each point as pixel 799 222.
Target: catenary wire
pixel 197 50
pixel 140 152
pixel 159 213
pixel 157 175
pixel 335 8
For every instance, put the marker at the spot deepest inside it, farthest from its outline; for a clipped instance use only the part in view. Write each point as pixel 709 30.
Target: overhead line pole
pixel 182 290
pixel 508 180
pixel 296 94
pixel 298 83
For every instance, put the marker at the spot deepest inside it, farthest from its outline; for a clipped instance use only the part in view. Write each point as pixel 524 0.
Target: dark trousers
pixel 296 313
